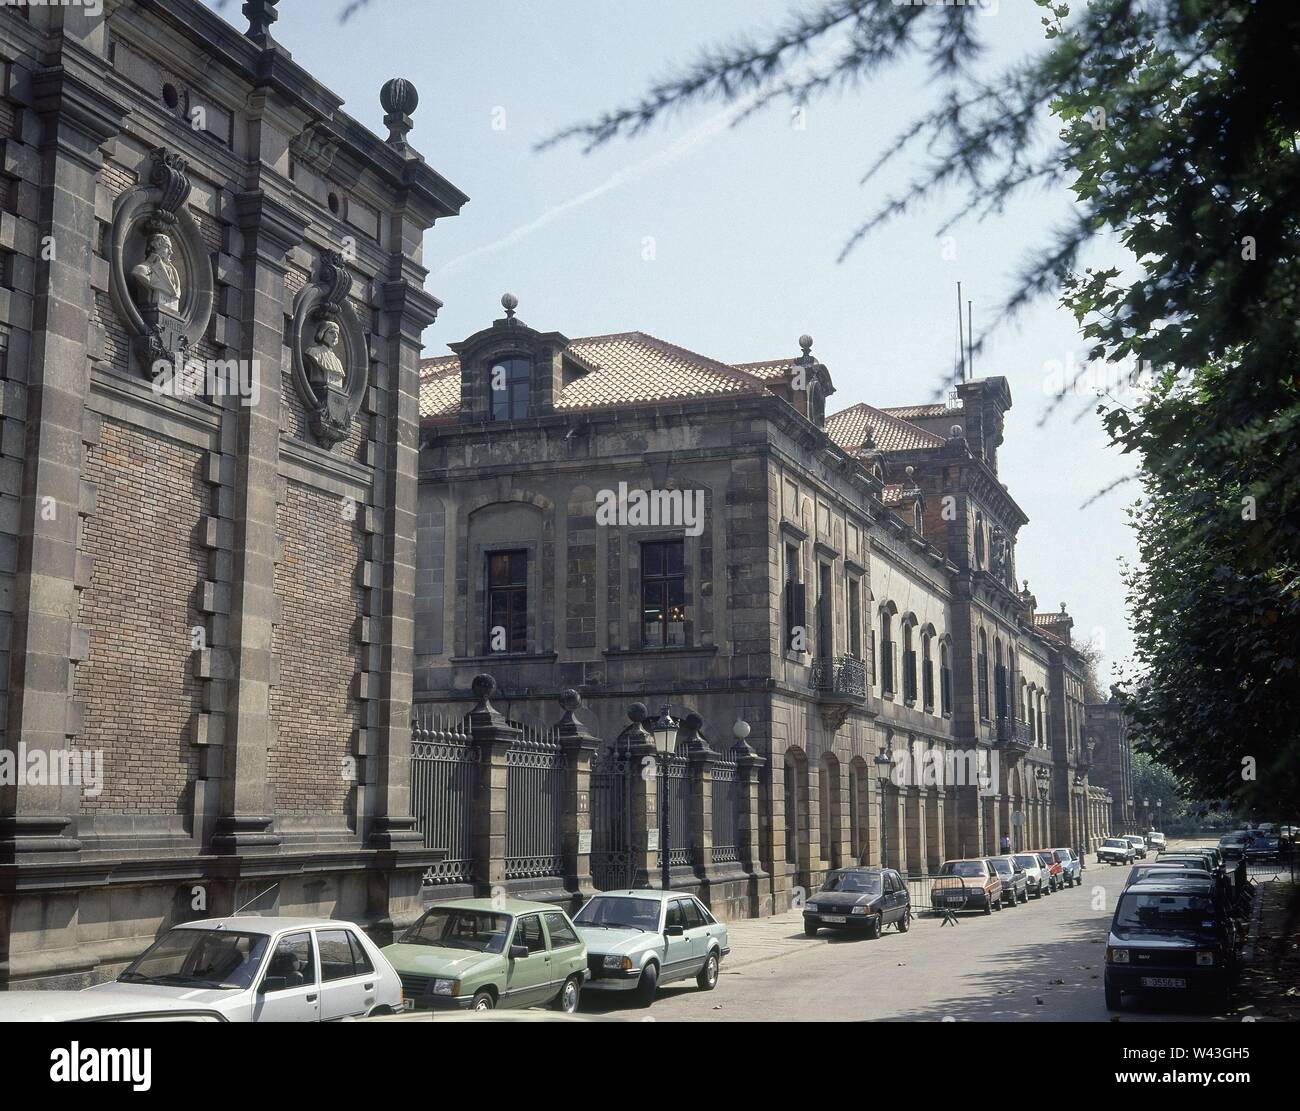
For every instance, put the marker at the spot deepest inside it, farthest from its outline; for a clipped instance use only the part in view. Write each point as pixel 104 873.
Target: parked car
pixel 1164 938
pixel 1037 879
pixel 1206 858
pixel 1263 849
pixel 862 898
pixel 1116 850
pixel 1015 884
pixel 1071 867
pixel 859 899
pixel 1198 881
pixel 1139 844
pixel 1233 845
pixel 479 954
pixel 1166 868
pixel 1156 841
pixel 639 939
pixel 83 1006
pixel 966 885
pixel 255 969
pixel 1055 873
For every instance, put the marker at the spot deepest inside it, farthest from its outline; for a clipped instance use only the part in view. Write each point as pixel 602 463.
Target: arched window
pixel 886 654
pixel 909 663
pixel 945 679
pixel 1042 736
pixel 927 673
pixel 979 539
pixel 999 680
pixel 982 666
pixel 918 522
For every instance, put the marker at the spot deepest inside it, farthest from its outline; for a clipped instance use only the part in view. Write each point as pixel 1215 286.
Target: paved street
pixel 1041 961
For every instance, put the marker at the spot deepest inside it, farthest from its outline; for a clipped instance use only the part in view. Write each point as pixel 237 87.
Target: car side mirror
pixel 273 983
pixel 518 952
pixel 674 931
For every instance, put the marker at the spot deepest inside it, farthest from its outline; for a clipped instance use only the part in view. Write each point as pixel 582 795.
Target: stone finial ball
pixel 637 712
pixel 399 97
pixel 693 722
pixel 483 686
pixel 570 699
pixel 509 302
pixel 740 730
pixel 956 430
pixel 805 343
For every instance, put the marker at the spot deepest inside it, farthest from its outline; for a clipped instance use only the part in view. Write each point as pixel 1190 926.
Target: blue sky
pixel 724 240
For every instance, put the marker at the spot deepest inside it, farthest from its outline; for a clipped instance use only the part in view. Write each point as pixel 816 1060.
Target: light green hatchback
pixel 477 954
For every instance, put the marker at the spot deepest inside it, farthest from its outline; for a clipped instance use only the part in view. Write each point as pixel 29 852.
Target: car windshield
pixel 1047 858
pixel 1028 861
pixel 620 913
pixel 1111 843
pixel 858 883
pixel 1003 866
pixel 1139 910
pixel 457 928
pixel 199 958
pixel 967 868
pixel 1063 855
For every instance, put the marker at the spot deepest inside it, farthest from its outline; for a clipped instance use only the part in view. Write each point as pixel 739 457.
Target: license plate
pixel 1163 982
pixel 837 919
pixel 958 899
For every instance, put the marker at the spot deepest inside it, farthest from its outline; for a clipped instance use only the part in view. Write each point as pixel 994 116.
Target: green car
pixel 477 954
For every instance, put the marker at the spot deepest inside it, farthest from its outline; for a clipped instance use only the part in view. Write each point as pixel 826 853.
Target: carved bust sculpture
pixel 323 357
pixel 156 282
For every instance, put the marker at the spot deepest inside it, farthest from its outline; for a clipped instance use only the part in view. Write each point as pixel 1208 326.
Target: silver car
pixel 1037 882
pixel 639 939
pixel 256 969
pixel 1015 881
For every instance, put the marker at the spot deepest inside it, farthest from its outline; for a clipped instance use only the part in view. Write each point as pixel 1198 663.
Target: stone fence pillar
pixel 493 736
pixel 748 845
pixel 578 747
pixel 636 746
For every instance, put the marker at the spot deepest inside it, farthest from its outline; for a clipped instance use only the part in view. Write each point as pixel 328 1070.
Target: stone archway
pixel 798 819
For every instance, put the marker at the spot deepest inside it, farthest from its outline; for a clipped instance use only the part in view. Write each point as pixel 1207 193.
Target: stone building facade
pixel 1113 763
pixel 843 584
pixel 211 309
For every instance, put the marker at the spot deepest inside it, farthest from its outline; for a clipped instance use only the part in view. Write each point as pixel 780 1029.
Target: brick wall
pixel 314 707
pixel 138 685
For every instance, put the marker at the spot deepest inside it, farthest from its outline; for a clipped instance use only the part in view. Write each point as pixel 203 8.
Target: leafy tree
pixel 1178 132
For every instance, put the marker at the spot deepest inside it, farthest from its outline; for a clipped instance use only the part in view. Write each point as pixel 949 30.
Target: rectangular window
pixel 509 382
pixel 507 625
pixel 855 621
pixel 663 594
pixel 927 680
pixel 945 690
pixel 796 634
pixel 825 633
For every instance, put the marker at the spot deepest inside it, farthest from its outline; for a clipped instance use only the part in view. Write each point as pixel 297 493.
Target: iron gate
pixel 675 796
pixel 726 813
pixel 535 789
pixel 444 784
pixel 611 821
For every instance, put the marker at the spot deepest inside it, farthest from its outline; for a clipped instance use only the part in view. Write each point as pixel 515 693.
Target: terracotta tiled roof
pixel 848 427
pixel 912 412
pixel 623 369
pixel 772 368
pixel 892 494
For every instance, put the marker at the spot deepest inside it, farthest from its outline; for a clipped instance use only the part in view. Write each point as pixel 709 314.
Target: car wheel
pixel 905 923
pixel 483 1001
pixel 707 980
pixel 1114 998
pixel 876 928
pixel 567 1000
pixel 988 905
pixel 809 929
pixel 648 986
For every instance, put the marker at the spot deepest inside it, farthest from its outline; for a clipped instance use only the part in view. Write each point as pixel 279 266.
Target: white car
pixel 254 969
pixel 1116 850
pixel 81 1006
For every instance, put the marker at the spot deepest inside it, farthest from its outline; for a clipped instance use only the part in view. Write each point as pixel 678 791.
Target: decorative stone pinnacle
pixel 260 15
pixel 509 302
pixel 483 688
pixel 805 344
pixel 636 713
pixel 399 99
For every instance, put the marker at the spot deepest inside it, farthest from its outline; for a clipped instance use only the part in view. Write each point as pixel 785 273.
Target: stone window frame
pixel 633 537
pixel 909 627
pixel 888 610
pixel 488 555
pixel 983 705
pixel 641 544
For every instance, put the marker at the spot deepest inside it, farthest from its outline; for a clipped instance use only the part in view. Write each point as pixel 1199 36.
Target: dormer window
pixel 509 384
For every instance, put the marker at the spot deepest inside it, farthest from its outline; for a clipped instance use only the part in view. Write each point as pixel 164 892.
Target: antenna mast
pixel 961 341
pixel 970 341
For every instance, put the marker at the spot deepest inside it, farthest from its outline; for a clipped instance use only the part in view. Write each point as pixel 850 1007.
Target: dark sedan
pixel 867 899
pixel 1168 939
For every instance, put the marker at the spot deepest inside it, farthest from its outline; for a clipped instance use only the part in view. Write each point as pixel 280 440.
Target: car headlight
pixel 616 963
pixel 446 987
pixel 1205 957
pixel 861 910
pixel 811 908
pixel 1117 956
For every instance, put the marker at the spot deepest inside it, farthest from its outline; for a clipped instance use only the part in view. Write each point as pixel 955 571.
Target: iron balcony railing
pixel 1013 734
pixel 839 675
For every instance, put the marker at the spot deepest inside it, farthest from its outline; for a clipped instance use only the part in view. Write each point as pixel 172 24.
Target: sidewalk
pixel 754 940
pixel 1270 980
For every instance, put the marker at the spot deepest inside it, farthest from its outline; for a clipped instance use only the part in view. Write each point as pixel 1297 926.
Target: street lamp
pixel 664 730
pixel 884 762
